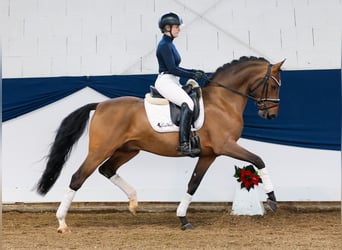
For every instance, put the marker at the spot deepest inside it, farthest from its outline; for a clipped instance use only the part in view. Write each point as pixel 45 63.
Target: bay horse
pixel 119 129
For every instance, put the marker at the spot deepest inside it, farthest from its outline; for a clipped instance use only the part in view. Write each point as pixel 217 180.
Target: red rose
pixel 248 177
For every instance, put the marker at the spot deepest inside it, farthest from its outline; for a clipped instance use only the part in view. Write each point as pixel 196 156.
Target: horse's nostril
pixel 273 116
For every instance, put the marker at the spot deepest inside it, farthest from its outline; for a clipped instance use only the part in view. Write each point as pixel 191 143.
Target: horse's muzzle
pixel 271 116
pixel 267 115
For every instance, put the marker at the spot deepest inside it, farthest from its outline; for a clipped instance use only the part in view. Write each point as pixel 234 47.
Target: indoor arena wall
pixel 45 39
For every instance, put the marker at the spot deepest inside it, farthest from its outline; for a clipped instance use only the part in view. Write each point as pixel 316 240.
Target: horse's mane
pixel 235 63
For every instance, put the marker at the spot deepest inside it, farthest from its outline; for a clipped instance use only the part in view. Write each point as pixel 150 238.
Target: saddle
pixel 191 88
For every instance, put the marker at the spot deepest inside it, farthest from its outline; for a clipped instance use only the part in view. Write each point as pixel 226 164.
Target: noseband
pixel 263 100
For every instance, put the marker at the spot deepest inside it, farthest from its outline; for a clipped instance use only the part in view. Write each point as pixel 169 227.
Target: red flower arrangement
pixel 248 177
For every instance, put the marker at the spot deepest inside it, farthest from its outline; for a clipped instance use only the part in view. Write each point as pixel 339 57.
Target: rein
pixel 260 101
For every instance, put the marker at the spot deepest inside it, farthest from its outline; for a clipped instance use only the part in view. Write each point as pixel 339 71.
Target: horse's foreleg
pixel 240 153
pixel 196 178
pixel 268 187
pixel 109 168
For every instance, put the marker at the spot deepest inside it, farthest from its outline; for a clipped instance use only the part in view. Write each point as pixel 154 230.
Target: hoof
pixel 187 226
pixel 63 230
pixel 132 207
pixel 272 205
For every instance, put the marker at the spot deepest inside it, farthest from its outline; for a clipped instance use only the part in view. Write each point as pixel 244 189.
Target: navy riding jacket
pixel 169 59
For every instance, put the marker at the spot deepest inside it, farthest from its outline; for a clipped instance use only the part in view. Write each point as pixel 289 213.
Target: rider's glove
pixel 198 74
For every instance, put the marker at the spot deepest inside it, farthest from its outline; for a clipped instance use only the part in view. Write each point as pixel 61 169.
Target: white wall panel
pixel 23 8
pixel 121 24
pixel 4 47
pixel 34 66
pixel 264 39
pixel 79 8
pixel 162 7
pixel 79 45
pixel 307 16
pixel 73 65
pixel 252 27
pixel 24 46
pixel 52 8
pixel 11 28
pixel 96 65
pixel 239 50
pixel 35 26
pixel 327 37
pixel 311 56
pixel 137 6
pixel 149 62
pixel 4 8
pixel 289 38
pixel 66 26
pixel 52 45
pixel 139 44
pixel 196 42
pixel 197 59
pixel 149 24
pixel 66 65
pixel 93 25
pixel 222 16
pixel 59 65
pixel 106 7
pixel 12 65
pixel 111 44
pixel 304 38
pixel 126 63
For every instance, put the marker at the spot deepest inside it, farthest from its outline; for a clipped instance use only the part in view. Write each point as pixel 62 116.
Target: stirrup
pixel 186 149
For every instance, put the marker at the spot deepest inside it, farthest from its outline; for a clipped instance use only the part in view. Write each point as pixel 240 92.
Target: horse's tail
pixel 67 135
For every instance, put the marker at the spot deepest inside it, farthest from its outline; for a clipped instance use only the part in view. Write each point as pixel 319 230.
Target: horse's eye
pixel 274 87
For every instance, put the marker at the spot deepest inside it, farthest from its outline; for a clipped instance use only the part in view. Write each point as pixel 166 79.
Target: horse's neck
pixel 236 88
pixel 224 99
pixel 234 96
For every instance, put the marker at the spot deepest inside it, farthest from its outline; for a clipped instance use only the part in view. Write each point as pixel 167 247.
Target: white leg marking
pixel 63 210
pixel 183 205
pixel 128 190
pixel 266 180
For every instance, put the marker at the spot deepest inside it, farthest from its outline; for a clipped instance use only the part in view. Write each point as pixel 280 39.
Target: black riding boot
pixel 184 132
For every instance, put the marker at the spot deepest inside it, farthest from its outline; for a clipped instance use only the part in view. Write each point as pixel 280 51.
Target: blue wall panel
pixel 309 115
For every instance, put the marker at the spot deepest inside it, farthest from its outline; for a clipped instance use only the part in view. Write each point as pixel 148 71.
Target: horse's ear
pixel 278 65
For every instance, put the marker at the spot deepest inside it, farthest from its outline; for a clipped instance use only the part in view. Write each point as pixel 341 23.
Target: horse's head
pixel 266 91
pixel 253 78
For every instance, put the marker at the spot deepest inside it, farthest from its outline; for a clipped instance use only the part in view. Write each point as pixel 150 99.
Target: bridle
pixel 263 100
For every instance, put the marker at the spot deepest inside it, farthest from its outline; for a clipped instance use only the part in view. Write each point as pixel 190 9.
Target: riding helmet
pixel 169 19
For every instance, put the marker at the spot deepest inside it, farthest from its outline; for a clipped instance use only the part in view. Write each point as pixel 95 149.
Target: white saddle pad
pixel 160 118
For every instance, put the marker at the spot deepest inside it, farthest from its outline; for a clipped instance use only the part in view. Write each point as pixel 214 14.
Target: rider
pixel 168 84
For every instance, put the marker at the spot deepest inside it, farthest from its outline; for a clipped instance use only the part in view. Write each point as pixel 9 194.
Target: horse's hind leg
pixel 86 169
pixel 109 168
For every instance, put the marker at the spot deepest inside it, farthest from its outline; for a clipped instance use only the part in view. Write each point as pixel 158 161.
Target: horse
pixel 119 129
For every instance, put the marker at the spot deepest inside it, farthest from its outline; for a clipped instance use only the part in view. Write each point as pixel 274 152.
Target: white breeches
pixel 168 86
